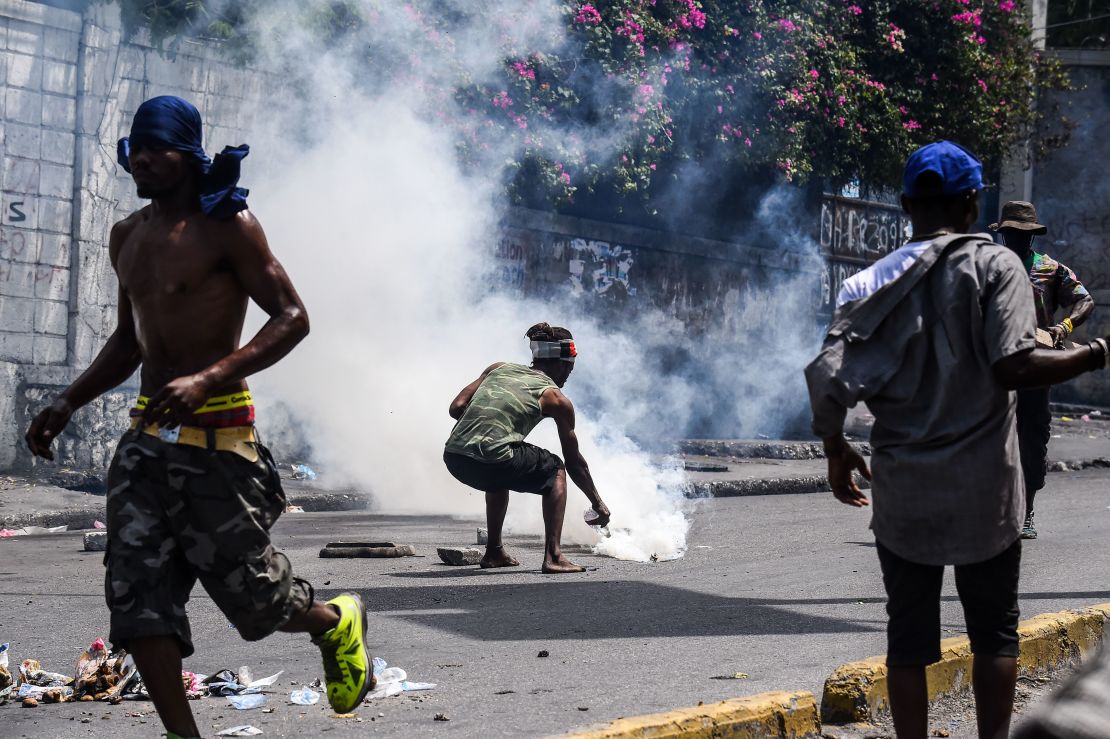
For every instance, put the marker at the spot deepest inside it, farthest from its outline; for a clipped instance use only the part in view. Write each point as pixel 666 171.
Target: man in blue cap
pixel 934 343
pixel 192 492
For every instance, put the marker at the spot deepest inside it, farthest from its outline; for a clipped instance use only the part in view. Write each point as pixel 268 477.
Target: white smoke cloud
pixel 386 238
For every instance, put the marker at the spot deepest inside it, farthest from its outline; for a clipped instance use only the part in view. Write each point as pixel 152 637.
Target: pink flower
pixel 565 177
pixel 524 70
pixel 651 167
pixel 840 121
pixel 720 109
pixel 855 10
pixel 588 15
pixel 757 35
pixel 911 125
pixel 982 85
pixel 502 100
pixel 813 74
pixel 1007 6
pixel 787 24
pixel 972 17
pixel 747 142
pixel 647 90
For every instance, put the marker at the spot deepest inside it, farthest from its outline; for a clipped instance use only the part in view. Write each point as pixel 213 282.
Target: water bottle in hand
pixel 591 517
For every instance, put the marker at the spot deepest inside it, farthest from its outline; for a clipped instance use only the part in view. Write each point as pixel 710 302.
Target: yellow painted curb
pixel 754 717
pixel 857 691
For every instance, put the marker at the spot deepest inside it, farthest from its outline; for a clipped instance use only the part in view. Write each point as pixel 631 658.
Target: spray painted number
pixel 13 243
pixel 859 229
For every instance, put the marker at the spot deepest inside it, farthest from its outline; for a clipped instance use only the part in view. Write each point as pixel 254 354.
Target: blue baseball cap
pixel 959 170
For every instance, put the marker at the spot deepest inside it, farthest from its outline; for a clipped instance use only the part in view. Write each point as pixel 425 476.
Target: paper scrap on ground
pixel 244 730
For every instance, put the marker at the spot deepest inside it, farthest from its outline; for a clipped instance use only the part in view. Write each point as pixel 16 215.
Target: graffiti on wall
pixel 599 268
pixel 538 262
pixel 860 230
pixel 852 234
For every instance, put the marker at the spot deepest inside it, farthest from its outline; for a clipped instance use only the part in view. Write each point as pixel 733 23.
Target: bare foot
pixel 559 566
pixel 497 557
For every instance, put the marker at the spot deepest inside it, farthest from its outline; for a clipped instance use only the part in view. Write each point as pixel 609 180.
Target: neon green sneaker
pixel 348 666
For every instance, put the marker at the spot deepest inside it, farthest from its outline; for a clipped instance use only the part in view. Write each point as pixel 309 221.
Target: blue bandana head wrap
pixel 170 122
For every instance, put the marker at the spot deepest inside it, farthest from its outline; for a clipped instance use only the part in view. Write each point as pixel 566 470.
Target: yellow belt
pixel 234 439
pixel 228 402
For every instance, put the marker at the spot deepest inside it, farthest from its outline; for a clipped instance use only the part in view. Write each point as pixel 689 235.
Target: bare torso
pixel 187 304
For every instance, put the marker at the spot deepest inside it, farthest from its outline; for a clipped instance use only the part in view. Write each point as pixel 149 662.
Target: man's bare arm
pixel 1078 312
pixel 267 284
pixel 119 358
pixel 462 400
pixel 558 407
pixel 1041 367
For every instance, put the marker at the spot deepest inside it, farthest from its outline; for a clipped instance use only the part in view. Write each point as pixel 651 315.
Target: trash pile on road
pixel 103 675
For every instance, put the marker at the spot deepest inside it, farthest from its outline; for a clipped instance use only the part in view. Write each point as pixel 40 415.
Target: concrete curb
pixel 857 691
pixel 775 714
pixel 801 484
pixel 82 517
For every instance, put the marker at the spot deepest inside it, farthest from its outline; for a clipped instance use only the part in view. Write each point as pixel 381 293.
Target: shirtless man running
pixel 487 451
pixel 192 493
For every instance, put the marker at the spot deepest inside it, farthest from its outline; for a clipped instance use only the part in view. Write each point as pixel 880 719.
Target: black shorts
pixel 989 594
pixel 531 469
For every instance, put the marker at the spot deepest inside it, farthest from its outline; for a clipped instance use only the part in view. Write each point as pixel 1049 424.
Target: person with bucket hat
pixel 934 344
pixel 1055 286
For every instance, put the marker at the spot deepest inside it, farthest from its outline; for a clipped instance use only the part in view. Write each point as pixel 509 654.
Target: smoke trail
pixel 364 200
pixel 387 235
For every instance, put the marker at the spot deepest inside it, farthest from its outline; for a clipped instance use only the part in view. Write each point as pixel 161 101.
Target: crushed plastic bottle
pixel 411 687
pixel 392 675
pixel 379 665
pixel 385 690
pixel 306 696
pixel 247 702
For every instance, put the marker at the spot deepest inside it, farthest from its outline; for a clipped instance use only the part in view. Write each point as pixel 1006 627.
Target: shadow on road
pixel 589 610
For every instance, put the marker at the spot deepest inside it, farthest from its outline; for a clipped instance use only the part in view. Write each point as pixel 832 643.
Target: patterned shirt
pixel 947 485
pixel 503 410
pixel 1054 286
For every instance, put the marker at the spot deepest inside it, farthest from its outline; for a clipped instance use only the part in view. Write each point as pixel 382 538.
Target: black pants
pixel 1034 428
pixel 989 594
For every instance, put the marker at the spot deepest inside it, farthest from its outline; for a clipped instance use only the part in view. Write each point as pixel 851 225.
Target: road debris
pixel 733 676
pixel 6 682
pixel 544 653
pixel 306 696
pixel 393 681
pixel 303 472
pixel 244 730
pixel 370 549
pixel 29 530
pixel 247 701
pixel 483 536
pixel 459 556
pixel 96 541
pixel 440 717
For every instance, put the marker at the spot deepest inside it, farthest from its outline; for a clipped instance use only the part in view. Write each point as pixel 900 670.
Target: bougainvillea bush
pixel 626 96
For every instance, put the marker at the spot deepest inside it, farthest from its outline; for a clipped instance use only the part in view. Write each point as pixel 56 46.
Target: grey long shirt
pixel 947 485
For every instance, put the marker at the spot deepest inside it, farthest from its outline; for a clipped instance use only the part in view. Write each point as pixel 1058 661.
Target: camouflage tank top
pixel 505 408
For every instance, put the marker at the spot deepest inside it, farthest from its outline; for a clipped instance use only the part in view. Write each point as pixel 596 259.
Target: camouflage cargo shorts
pixel 177 514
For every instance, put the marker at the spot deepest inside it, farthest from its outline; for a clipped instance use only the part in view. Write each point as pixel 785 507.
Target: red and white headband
pixel 564 350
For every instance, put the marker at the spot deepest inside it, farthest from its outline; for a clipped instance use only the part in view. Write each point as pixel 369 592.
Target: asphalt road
pixel 782 588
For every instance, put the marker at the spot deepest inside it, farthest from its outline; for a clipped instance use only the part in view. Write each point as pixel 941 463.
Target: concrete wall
pixel 70 86
pixel 609 268
pixel 1071 190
